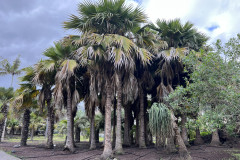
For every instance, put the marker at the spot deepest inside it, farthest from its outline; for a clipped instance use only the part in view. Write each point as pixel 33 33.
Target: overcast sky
pixel 28 27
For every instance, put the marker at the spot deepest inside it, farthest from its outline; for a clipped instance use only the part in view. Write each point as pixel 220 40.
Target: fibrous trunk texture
pixel 184 130
pixel 142 143
pixel 93 139
pixel 25 127
pixel 69 142
pixel 126 137
pixel 182 149
pixel 107 151
pixel 50 125
pixel 114 125
pixel 215 139
pixel 198 140
pixel 118 145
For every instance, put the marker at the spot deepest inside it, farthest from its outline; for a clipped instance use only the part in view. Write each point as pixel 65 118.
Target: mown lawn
pixel 56 138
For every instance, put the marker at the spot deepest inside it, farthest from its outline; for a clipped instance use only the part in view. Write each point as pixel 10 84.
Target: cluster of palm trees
pixel 118 62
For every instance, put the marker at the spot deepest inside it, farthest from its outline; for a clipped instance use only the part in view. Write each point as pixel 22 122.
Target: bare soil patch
pixel 37 151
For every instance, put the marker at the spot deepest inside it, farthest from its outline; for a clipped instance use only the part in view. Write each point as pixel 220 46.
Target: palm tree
pixel 45 72
pixel 7 68
pixel 5 97
pixel 80 122
pixel 105 24
pixel 65 77
pixel 178 36
pixel 25 100
pixel 35 122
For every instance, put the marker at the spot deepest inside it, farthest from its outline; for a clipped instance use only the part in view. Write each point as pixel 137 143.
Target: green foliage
pixel 160 120
pixel 213 85
pixel 6 94
pixel 205 133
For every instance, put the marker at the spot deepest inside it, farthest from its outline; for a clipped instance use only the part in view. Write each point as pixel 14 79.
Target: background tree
pixel 12 69
pixel 5 97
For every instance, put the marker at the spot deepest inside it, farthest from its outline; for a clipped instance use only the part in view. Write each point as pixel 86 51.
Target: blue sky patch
pixel 212 28
pixel 138 1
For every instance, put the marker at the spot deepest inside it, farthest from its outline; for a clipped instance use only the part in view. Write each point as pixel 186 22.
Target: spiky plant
pixel 160 120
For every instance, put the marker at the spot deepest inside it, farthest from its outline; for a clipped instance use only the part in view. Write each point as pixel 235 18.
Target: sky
pixel 28 27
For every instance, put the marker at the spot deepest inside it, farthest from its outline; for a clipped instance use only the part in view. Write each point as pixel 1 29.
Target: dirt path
pixel 5 156
pixel 38 152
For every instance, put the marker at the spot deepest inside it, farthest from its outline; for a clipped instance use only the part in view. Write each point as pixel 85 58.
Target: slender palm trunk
pixel 137 131
pixel 184 130
pixel 215 139
pixel 32 133
pixel 114 125
pixel 198 140
pixel 182 149
pixel 97 136
pixel 118 144
pixel 142 143
pixel 93 139
pixel 126 137
pixel 77 134
pixel 50 125
pixel 12 81
pixel 4 110
pixel 69 142
pixel 25 127
pixel 107 152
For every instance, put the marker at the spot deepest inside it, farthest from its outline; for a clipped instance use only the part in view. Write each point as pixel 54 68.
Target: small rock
pixel 16 146
pixel 13 151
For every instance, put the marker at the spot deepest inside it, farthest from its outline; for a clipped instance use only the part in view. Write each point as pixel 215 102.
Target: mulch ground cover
pixel 37 151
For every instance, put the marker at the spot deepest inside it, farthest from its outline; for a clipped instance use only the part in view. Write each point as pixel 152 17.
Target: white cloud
pixel 223 14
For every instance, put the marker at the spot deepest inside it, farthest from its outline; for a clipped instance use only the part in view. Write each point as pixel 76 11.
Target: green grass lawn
pixel 56 138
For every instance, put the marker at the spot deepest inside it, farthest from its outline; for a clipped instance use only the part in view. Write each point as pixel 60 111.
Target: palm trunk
pixel 69 142
pixel 4 129
pixel 182 149
pixel 107 152
pixel 32 132
pixel 50 125
pixel 93 139
pixel 97 136
pixel 118 144
pixel 77 134
pixel 137 131
pixel 215 139
pixel 12 81
pixel 142 143
pixel 126 137
pixel 25 127
pixel 114 125
pixel 4 110
pixel 184 130
pixel 198 140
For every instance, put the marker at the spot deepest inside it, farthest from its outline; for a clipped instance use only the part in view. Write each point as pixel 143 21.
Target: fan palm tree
pixel 105 25
pixel 65 82
pixel 80 122
pixel 7 68
pixel 25 100
pixel 45 72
